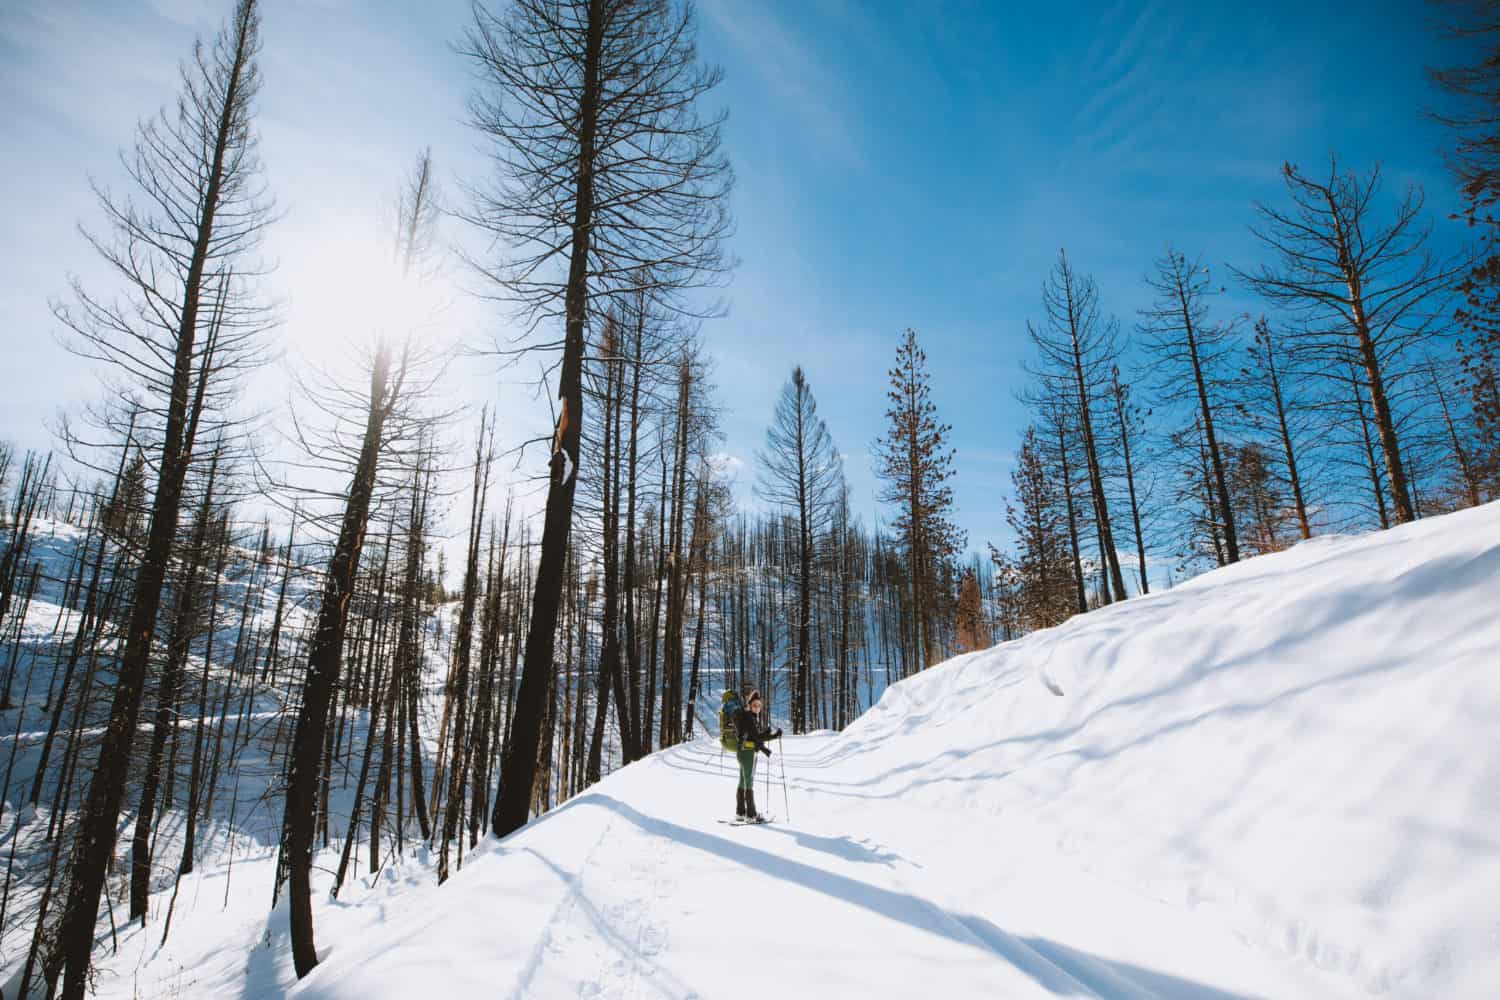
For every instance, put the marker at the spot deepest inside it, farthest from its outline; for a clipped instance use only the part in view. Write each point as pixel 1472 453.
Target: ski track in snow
pixel 603 940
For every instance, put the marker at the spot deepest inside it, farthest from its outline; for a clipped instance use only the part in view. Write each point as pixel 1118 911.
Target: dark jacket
pixel 752 734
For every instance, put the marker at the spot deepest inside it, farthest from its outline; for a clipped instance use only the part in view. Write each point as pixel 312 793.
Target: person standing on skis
pixel 754 737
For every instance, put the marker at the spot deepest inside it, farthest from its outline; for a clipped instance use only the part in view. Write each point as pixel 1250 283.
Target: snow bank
pixel 1300 748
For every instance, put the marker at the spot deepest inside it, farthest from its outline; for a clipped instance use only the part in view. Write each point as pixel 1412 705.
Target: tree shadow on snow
pixel 1058 968
pixel 842 847
pixel 1350 606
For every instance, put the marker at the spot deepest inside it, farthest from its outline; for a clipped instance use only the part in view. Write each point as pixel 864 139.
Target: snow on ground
pixel 1279 780
pixel 228 898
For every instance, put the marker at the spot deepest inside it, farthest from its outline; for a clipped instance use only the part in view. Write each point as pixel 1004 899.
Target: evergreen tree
pixel 1257 497
pixel 1042 569
pixel 972 632
pixel 915 464
pixel 1006 595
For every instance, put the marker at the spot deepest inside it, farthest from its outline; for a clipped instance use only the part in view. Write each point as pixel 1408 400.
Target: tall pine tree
pixel 915 465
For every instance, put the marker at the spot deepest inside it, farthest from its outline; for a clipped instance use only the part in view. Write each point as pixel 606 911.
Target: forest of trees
pixel 1196 437
pixel 286 638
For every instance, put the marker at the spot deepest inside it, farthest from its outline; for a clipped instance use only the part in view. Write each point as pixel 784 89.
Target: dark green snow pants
pixel 747 768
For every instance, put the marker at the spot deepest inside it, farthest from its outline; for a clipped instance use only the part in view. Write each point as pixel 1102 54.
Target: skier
pixel 753 737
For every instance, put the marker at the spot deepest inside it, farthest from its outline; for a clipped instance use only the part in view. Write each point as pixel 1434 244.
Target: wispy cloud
pixel 55 54
pixel 192 14
pixel 1126 80
pixel 793 72
pixel 1124 31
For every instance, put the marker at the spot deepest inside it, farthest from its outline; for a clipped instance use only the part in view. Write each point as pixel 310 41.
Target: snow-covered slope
pixel 1278 780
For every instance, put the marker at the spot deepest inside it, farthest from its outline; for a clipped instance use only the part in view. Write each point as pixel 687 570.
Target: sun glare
pixel 361 296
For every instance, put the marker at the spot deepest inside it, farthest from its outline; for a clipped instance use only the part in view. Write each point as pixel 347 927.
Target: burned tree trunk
pixel 323 665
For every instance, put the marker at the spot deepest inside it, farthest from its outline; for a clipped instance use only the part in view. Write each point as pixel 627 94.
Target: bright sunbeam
pixel 359 294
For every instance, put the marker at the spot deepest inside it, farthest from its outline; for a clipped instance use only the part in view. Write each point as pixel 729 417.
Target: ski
pixel 748 822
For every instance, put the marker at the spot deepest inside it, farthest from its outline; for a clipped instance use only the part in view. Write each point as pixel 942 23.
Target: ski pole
pixel 780 746
pixel 768 783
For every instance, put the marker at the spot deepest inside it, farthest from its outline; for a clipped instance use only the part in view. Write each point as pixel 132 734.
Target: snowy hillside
pixel 1278 780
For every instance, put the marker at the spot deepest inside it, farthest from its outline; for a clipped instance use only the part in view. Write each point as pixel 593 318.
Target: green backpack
pixel 729 737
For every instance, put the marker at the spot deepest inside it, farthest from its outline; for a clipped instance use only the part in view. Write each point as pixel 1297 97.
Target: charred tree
pixel 605 165
pixel 1369 293
pixel 800 470
pixel 1187 351
pixel 197 171
pixel 1075 348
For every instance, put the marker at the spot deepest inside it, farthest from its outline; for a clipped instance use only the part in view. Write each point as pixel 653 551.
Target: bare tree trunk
pixel 609 653
pixel 32 484
pixel 1368 448
pixel 1110 571
pixel 1211 513
pixel 323 663
pixel 672 643
pixel 1206 418
pixel 1135 509
pixel 633 747
pixel 700 567
pixel 1465 468
pixel 389 758
pixel 518 767
pixel 1385 423
pixel 465 639
pixel 1268 347
pixel 99 824
pixel 411 679
pixel 1067 484
pixel 375 703
pixel 166 709
pixel 488 733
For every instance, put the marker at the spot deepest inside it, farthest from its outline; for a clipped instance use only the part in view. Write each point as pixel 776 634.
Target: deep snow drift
pixel 1277 780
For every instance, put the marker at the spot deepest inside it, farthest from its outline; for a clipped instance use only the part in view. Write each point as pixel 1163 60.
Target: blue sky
pixel 899 164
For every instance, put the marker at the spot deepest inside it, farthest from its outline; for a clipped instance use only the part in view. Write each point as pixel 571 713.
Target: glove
pixel 776 735
pixel 765 750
